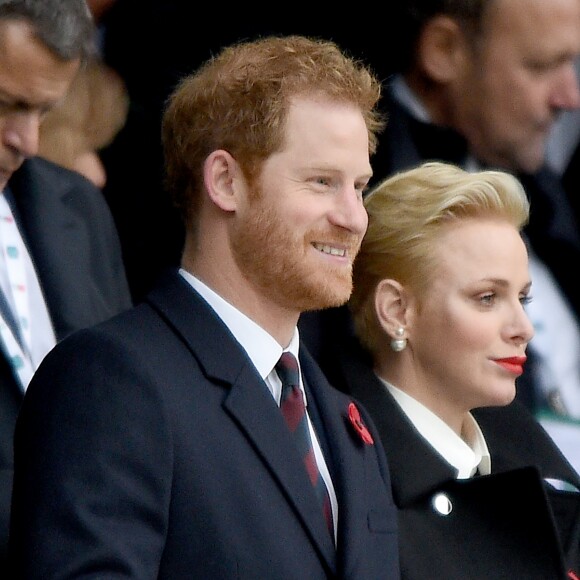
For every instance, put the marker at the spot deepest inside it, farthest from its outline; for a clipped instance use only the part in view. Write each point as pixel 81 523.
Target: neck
pixel 398 371
pixel 432 96
pixel 224 278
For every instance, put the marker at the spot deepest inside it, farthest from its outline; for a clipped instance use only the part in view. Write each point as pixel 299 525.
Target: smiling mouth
pixel 330 250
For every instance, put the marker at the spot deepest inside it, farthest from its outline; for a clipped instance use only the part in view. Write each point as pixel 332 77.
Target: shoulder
pixel 38 171
pixel 42 187
pixel 517 439
pixel 42 183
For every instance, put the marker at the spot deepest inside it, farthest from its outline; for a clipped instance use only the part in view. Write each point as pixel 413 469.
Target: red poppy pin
pixel 358 425
pixel 572 575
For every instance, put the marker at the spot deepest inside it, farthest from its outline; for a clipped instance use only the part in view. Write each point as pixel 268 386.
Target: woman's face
pixel 466 330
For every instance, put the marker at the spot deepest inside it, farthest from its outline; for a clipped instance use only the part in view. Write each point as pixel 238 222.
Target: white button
pixel 442 504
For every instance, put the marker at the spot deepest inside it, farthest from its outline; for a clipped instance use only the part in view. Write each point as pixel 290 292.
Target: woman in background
pixel 87 120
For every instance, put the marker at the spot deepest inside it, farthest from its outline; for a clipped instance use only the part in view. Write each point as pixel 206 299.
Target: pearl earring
pixel 398 344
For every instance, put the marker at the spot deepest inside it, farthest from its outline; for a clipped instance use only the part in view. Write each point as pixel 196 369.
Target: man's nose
pixel 349 212
pixel 566 94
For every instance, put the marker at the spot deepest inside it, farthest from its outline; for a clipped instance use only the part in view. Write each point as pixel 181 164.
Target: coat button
pixel 442 504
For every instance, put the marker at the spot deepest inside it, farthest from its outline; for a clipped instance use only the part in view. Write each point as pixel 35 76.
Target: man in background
pixel 60 260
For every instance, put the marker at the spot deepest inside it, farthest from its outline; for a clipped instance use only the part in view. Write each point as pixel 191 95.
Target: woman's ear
pixel 441 49
pixel 222 177
pixel 391 302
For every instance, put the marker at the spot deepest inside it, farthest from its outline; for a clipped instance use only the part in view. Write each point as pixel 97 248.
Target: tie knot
pixel 287 369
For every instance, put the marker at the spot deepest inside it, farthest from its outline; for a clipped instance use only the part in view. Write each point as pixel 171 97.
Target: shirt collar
pixel 408 100
pixel 467 455
pixel 263 350
pixel 405 96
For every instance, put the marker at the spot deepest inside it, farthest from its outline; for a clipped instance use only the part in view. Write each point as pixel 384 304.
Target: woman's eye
pixel 487 298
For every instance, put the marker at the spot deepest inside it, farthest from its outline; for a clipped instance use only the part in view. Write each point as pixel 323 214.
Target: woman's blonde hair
pixel 408 212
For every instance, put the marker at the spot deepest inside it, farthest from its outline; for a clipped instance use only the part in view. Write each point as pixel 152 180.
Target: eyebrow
pixel 504 283
pixel 21 104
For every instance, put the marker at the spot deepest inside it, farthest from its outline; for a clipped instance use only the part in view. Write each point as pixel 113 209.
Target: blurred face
pixel 32 81
pixel 468 335
pixel 518 79
pixel 297 238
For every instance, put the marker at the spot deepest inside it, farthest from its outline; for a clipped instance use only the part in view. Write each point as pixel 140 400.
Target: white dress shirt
pixel 264 352
pixel 40 337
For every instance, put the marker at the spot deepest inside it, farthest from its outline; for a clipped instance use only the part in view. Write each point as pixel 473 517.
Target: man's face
pixel 32 81
pixel 296 238
pixel 516 81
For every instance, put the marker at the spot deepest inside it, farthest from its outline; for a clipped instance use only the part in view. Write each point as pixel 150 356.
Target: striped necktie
pixel 294 412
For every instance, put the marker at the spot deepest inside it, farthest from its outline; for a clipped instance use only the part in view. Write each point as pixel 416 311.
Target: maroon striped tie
pixel 294 411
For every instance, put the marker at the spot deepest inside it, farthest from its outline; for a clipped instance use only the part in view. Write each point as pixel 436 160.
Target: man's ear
pixel 222 177
pixel 391 302
pixel 441 49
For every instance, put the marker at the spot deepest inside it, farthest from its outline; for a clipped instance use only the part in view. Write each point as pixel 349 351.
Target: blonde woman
pixel 440 288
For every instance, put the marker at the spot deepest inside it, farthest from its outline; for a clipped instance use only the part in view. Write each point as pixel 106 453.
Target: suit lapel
pixel 253 407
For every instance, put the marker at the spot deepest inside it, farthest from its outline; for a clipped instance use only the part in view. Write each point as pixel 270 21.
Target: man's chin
pixel 329 298
pixel 528 159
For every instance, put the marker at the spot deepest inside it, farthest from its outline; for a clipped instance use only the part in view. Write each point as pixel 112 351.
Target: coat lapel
pixel 257 414
pixel 415 469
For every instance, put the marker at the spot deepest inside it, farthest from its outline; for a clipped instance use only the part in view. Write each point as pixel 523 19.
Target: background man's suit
pixel 198 454
pixel 73 244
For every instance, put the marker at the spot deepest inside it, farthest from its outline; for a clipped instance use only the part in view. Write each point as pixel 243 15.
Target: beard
pixel 284 265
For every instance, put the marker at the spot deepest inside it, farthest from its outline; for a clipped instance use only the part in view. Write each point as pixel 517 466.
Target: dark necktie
pixel 294 412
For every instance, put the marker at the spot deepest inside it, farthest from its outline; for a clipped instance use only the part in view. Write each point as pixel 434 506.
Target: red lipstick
pixel 512 364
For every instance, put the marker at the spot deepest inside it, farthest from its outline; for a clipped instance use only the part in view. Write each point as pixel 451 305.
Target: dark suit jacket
pixel 72 240
pixel 505 525
pixel 571 180
pixel 164 455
